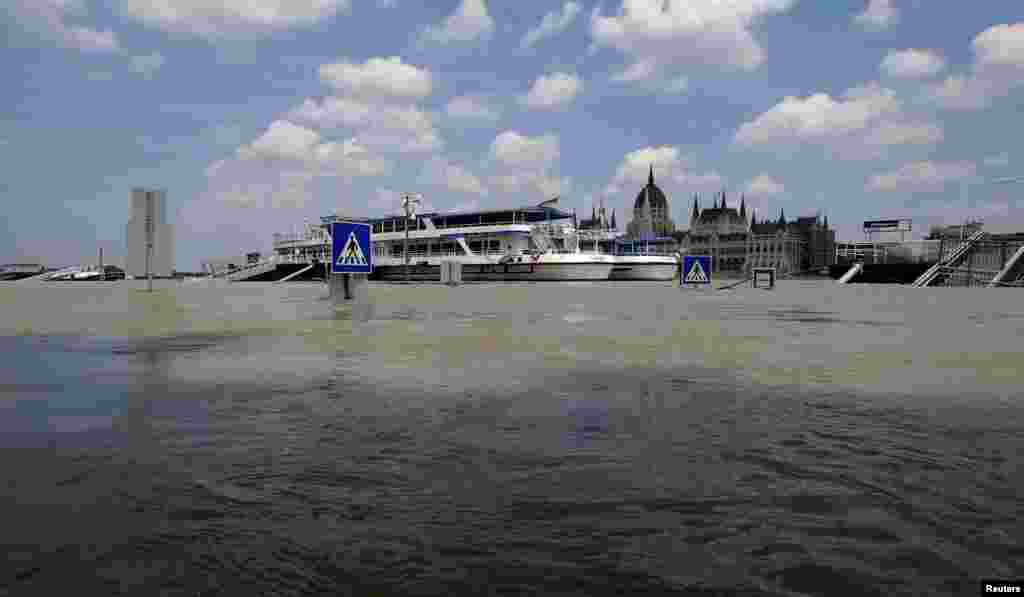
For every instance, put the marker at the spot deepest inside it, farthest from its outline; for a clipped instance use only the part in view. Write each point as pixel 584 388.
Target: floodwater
pixel 509 439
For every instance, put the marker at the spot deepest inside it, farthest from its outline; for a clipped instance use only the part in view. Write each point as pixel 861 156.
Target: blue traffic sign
pixel 696 269
pixel 351 248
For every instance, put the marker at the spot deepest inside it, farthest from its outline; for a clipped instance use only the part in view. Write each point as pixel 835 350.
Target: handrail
pixel 1017 258
pixel 958 253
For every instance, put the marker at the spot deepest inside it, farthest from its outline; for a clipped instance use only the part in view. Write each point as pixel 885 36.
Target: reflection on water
pixel 473 442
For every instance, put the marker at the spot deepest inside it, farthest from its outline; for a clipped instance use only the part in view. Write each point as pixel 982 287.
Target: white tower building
pixel 149 209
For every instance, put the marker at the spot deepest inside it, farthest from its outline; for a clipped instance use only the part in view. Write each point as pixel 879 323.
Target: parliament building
pixel 736 241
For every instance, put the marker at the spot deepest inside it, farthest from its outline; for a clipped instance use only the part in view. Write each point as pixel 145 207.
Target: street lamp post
pixel 409 203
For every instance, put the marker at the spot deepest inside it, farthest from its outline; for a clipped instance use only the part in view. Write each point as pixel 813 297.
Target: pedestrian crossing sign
pixel 696 269
pixel 351 248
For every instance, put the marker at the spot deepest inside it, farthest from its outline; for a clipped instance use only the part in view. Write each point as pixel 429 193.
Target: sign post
pixel 149 240
pixel 351 260
pixel 764 277
pixel 696 271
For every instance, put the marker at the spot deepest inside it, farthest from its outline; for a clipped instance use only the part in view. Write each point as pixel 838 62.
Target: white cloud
pixel 469 22
pixel 522 163
pixel 90 40
pixel 678 34
pixel 46 18
pixel 229 18
pixel 706 182
pixel 651 77
pixel 879 14
pixel 552 91
pixel 920 176
pixel 440 172
pixel 541 184
pixel 148 64
pixel 636 165
pixel 903 133
pixel 1000 45
pixel 818 116
pixel 861 124
pixel 277 167
pixel 673 172
pixel 912 64
pixel 638 71
pixel 998 67
pixel 381 126
pixel 287 157
pixel 282 139
pixel 470 108
pixel 378 78
pixel 519 151
pixel 961 93
pixel 552 24
pixel 348 158
pixel 764 186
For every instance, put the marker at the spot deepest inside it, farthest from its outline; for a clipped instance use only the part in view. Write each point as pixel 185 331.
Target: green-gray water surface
pixel 507 439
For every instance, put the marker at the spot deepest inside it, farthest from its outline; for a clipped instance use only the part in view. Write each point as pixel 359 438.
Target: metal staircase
pixel 1007 273
pixel 949 261
pixel 851 273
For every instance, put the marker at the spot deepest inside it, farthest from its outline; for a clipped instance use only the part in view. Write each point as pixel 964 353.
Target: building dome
pixel 651 196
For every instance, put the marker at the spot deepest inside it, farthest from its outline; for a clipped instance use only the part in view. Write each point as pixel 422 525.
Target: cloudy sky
pixel 257 115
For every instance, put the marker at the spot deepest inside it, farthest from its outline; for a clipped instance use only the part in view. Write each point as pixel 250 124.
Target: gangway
pixel 949 261
pixel 1015 261
pixel 252 271
pixel 62 274
pixel 298 273
pixel 851 273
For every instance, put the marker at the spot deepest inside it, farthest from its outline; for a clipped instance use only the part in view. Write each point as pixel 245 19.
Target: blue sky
pixel 257 115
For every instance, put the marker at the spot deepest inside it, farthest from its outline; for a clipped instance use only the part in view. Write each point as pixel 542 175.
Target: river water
pixel 516 439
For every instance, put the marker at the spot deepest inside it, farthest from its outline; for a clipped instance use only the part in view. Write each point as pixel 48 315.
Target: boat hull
pixel 644 270
pixel 474 272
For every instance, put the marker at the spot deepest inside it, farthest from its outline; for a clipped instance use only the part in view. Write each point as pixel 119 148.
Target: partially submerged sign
pixel 351 248
pixel 697 270
pixel 764 277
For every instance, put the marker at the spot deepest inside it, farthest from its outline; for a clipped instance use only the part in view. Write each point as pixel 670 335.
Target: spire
pixel 593 215
pixel 753 219
pixel 696 209
pixel 743 207
pixel 723 200
pixel 826 222
pixel 782 218
pixel 650 178
pixel 613 226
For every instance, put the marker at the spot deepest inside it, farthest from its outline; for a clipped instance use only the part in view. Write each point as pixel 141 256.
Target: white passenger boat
pixel 655 259
pixel 525 243
pixel 650 259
